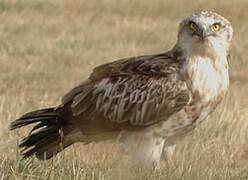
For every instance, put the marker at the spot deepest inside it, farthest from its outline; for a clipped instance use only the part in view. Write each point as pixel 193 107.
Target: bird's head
pixel 205 32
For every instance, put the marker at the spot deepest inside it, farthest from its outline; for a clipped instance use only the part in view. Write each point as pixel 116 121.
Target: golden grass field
pixel 48 47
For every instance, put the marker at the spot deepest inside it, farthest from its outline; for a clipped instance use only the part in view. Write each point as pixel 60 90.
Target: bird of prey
pixel 149 102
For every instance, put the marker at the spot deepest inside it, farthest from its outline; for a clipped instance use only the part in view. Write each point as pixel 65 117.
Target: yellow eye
pixel 192 26
pixel 216 27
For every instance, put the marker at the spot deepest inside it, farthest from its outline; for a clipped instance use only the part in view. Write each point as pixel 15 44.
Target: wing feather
pixel 141 90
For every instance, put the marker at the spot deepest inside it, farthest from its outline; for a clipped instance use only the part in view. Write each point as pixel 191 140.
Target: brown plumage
pixel 153 101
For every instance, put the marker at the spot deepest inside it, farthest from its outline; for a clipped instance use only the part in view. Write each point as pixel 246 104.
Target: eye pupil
pixel 216 27
pixel 192 26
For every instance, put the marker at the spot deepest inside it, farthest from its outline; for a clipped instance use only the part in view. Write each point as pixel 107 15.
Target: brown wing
pixel 140 90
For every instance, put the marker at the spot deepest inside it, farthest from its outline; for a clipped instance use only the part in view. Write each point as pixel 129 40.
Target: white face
pixel 204 33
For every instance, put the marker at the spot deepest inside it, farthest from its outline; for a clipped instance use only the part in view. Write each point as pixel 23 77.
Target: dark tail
pixel 48 136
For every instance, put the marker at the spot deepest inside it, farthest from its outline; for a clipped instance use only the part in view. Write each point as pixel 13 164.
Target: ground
pixel 48 47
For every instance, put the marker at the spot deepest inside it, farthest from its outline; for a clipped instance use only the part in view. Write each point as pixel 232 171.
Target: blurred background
pixel 48 47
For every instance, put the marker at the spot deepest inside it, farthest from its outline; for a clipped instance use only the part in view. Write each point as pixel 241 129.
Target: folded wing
pixel 140 91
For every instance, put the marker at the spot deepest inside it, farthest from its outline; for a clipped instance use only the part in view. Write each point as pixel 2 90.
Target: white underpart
pixel 144 148
pixel 209 79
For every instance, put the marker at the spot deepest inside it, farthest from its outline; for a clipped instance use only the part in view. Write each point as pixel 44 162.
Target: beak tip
pixel 203 34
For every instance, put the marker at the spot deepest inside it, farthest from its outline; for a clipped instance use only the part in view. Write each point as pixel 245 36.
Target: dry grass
pixel 47 47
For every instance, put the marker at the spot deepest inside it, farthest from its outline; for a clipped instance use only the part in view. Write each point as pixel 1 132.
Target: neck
pixel 207 73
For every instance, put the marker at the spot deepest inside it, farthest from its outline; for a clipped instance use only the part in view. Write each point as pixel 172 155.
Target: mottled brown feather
pixel 138 90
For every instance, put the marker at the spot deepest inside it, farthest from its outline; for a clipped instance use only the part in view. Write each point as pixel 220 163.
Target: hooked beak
pixel 202 33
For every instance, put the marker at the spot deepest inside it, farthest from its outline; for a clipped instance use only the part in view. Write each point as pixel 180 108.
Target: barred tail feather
pixel 48 137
